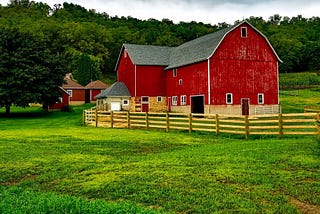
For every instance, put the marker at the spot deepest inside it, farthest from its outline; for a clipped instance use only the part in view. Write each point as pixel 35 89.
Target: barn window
pixel 159 99
pixel 145 100
pixel 229 99
pixel 180 81
pixel 175 72
pixel 183 100
pixel 125 102
pixel 261 98
pixel 244 32
pixel 125 53
pixel 69 92
pixel 174 100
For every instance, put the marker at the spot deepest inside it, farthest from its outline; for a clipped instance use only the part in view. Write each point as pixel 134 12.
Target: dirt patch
pixel 305 207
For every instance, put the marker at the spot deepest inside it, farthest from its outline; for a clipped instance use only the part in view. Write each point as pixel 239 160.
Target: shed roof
pixel 96 85
pixel 71 84
pixel 117 89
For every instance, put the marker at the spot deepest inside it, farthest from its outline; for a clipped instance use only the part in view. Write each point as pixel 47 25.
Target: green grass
pixel 294 101
pixel 299 80
pixel 50 162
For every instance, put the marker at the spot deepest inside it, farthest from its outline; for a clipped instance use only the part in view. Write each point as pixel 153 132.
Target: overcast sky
pixel 206 11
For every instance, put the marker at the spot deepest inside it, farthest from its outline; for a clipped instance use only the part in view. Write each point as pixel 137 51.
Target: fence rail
pixel 272 124
pixel 312 109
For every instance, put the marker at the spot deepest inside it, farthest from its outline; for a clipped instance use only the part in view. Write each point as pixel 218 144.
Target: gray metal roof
pixel 117 89
pixel 194 51
pixel 149 54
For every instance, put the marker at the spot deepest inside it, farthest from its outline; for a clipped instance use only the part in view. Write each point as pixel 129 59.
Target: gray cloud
pixel 207 11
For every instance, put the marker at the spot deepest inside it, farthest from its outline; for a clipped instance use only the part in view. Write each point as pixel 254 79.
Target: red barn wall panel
pixel 151 81
pixel 194 81
pixel 244 67
pixel 126 72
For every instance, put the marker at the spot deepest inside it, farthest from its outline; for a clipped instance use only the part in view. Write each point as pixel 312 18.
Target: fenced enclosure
pixel 271 124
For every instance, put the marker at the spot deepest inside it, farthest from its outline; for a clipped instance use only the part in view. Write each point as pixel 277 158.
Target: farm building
pixel 75 90
pixel 63 100
pixel 233 71
pixel 93 89
pixel 114 98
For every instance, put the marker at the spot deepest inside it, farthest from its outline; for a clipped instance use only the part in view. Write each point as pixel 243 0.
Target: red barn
pixel 93 89
pixel 234 71
pixel 75 90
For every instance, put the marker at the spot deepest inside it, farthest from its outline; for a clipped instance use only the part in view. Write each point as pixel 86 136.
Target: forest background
pixel 85 38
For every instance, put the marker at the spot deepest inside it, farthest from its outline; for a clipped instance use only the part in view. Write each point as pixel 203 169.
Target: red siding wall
pixel 65 102
pixel 194 81
pixel 126 72
pixel 244 67
pixel 78 95
pixel 151 81
pixel 94 92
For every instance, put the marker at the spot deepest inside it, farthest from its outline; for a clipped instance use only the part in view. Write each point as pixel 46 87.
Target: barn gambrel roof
pixel 194 51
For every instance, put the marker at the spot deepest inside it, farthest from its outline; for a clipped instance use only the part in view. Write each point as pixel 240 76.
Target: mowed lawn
pixel 50 163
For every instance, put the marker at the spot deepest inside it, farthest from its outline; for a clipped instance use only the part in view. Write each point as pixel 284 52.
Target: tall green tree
pixel 29 71
pixel 87 69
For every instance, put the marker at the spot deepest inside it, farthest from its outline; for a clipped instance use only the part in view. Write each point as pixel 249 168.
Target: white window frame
pixel 244 32
pixel 159 99
pixel 175 72
pixel 69 91
pixel 174 100
pixel 183 100
pixel 262 98
pixel 125 102
pixel 231 97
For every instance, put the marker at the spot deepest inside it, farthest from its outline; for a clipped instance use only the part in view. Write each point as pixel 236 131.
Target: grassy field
pixel 299 80
pixel 50 163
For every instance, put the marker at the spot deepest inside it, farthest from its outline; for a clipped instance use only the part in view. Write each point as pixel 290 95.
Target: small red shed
pixel 63 100
pixel 93 89
pixel 75 90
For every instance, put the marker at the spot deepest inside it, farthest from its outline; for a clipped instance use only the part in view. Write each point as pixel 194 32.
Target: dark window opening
pixel 244 32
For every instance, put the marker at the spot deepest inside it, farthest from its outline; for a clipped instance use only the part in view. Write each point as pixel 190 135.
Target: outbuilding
pixel 114 98
pixel 93 89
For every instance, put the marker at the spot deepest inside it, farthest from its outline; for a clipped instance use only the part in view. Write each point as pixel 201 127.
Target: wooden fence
pixel 312 109
pixel 273 124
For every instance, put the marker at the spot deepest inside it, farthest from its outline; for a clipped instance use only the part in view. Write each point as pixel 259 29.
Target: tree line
pixel 87 43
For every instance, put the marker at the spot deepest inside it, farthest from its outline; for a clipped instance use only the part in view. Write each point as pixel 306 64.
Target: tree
pixel 87 69
pixel 29 71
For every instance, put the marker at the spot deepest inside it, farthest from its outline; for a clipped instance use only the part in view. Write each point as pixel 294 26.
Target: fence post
pixel 280 125
pixel 167 122
pixel 111 119
pixel 246 118
pixel 318 124
pixel 147 120
pixel 128 118
pixel 83 118
pixel 96 115
pixel 190 123
pixel 217 125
